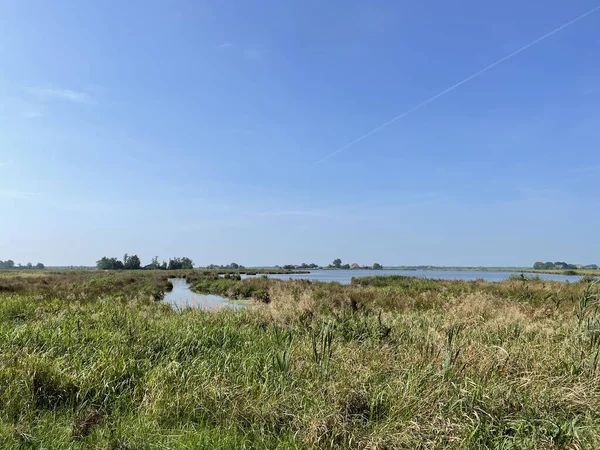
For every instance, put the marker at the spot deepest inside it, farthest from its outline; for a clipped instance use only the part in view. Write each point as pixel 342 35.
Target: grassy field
pixel 582 272
pixel 93 360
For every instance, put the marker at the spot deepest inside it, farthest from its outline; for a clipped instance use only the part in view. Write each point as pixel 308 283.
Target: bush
pixel 523 277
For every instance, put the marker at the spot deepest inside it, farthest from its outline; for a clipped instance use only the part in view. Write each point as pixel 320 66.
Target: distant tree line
pixel 234 266
pixel 337 264
pixel 300 266
pixel 10 264
pixel 180 263
pixel 553 265
pixel 132 262
pixel 561 265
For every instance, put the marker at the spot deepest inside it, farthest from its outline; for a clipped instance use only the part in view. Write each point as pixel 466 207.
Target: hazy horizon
pixel 323 265
pixel 213 130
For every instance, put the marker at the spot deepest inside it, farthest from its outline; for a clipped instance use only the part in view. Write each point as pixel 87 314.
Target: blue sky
pixel 195 128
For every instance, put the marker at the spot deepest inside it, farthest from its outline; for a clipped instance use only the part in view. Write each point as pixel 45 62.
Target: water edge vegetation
pixel 91 359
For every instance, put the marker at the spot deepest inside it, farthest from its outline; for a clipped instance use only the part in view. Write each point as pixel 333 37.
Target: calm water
pixel 344 276
pixel 182 296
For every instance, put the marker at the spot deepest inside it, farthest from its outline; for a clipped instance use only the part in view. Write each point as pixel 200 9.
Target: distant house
pixel 591 267
pixel 580 266
pixel 355 266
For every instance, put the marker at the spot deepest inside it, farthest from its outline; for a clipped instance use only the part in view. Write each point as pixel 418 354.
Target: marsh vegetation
pixel 92 360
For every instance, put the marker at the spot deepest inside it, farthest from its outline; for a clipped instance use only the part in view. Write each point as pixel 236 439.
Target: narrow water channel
pixel 182 296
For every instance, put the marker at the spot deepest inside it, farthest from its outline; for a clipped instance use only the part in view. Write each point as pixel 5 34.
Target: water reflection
pixel 345 276
pixel 182 296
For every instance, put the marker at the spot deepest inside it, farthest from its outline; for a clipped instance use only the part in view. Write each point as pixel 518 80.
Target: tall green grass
pixel 380 364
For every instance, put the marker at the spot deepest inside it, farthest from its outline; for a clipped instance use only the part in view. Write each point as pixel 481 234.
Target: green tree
pixel 180 263
pixel 187 263
pixel 105 263
pixel 131 262
pixel 102 263
pixel 377 266
pixel 40 266
pixel 337 263
pixel 9 264
pixel 544 265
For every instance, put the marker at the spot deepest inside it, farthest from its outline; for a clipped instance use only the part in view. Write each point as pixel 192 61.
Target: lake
pixel 182 296
pixel 344 276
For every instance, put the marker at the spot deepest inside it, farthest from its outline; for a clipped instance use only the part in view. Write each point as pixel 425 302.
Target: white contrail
pixel 460 83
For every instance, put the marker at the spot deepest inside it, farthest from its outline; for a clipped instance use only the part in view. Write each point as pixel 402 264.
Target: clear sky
pixel 195 129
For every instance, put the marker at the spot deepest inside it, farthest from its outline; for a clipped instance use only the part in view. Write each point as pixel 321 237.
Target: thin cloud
pixel 358 211
pixel 60 94
pixel 457 85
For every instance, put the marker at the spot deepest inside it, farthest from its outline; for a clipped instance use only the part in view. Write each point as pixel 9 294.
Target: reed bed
pixel 94 361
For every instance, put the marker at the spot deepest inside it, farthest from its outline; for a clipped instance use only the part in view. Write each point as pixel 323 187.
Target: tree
pixel 29 265
pixel 180 263
pixel 187 263
pixel 345 267
pixel 105 263
pixel 40 266
pixel 377 266
pixel 337 263
pixel 553 265
pixel 9 264
pixel 131 262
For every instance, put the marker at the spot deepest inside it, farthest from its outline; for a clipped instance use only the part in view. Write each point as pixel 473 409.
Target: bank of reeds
pixel 379 364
